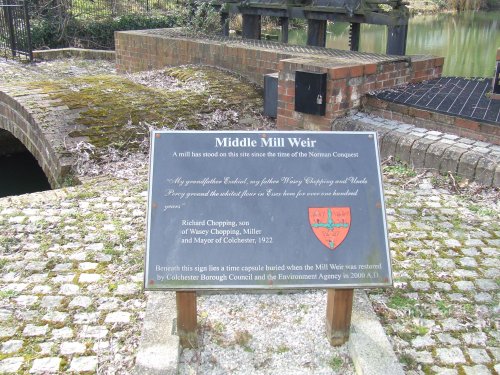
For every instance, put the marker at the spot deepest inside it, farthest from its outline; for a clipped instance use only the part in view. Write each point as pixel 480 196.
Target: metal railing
pixel 15 37
pixel 95 9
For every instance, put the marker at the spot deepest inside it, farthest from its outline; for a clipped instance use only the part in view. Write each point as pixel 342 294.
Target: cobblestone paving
pixel 71 274
pixel 71 279
pixel 443 314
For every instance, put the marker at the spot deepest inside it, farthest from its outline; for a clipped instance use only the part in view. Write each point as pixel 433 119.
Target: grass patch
pixel 114 110
pixel 335 363
pixel 443 308
pixel 242 338
pixel 399 169
pixel 282 348
pixel 405 305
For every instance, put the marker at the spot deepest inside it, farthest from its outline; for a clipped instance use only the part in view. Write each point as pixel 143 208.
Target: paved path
pixel 70 279
pixel 443 314
pixel 71 274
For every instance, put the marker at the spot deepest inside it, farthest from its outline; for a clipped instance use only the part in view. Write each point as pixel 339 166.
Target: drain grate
pixel 463 97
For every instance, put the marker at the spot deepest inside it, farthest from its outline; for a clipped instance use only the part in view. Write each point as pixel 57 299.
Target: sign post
pixel 266 210
pixel 187 321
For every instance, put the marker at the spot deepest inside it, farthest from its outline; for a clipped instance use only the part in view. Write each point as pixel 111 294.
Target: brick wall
pixel 18 121
pixel 347 81
pixel 137 52
pixel 346 85
pixel 462 127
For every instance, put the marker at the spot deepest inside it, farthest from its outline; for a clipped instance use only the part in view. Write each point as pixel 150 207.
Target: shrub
pixel 92 33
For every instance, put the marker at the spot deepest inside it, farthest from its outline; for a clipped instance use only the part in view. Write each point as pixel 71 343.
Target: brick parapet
pixel 58 53
pixel 136 52
pixel 20 115
pixel 459 126
pixel 421 148
pixel 346 85
pixel 349 77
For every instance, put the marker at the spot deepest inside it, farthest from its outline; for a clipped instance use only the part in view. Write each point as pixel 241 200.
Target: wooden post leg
pixel 338 315
pixel 187 319
pixel 316 33
pixel 284 29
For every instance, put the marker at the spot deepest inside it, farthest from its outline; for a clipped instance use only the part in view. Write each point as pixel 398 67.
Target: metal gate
pixel 15 34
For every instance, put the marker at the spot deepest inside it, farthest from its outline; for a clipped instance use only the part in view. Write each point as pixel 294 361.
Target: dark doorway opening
pixel 19 170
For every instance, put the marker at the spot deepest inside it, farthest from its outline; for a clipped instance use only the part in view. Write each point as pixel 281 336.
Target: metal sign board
pixel 265 210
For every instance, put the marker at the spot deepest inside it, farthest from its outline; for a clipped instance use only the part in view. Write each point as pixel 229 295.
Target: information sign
pixel 265 210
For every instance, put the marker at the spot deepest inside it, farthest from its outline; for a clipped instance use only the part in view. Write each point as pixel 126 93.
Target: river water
pixel 467 40
pixel 20 174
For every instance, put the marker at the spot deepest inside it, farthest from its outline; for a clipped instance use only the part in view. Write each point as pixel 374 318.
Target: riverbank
pixel 432 6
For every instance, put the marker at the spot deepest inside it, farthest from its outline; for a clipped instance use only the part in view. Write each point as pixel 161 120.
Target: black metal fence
pixel 15 37
pixel 95 9
pixel 15 15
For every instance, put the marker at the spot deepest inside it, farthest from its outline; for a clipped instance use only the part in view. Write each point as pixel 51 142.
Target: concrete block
pixel 450 159
pixel 496 176
pixel 418 152
pixel 370 349
pixel 467 165
pixel 434 154
pixel 485 171
pixel 158 352
pixel 404 146
pixel 389 143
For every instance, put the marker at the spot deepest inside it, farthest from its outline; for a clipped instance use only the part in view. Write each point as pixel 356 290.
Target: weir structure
pixel 392 13
pixel 346 76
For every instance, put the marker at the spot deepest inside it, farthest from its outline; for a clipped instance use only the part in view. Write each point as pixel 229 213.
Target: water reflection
pixel 468 40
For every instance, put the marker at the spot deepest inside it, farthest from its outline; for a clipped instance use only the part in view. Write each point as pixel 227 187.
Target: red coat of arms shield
pixel 330 224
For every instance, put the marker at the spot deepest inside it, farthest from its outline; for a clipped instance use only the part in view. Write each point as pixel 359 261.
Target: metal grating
pixel 463 97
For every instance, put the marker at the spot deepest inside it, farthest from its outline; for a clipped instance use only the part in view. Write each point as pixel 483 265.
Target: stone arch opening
pixel 20 172
pixel 22 123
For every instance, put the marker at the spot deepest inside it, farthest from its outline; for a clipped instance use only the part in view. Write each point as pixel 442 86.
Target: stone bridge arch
pixel 18 116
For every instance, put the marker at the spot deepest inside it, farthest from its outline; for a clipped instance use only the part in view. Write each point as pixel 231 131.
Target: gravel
pixel 264 333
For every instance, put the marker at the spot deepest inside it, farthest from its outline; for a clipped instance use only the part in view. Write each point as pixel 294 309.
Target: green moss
pixel 115 111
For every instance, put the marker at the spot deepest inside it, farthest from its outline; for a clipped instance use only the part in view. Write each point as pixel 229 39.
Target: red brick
pixel 418 65
pixel 339 83
pixel 420 74
pixel 420 113
pixel 389 83
pixel 439 61
pixel 368 87
pixel 468 124
pixel 356 71
pixel 388 67
pixel 340 72
pixel 382 77
pixel 370 69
